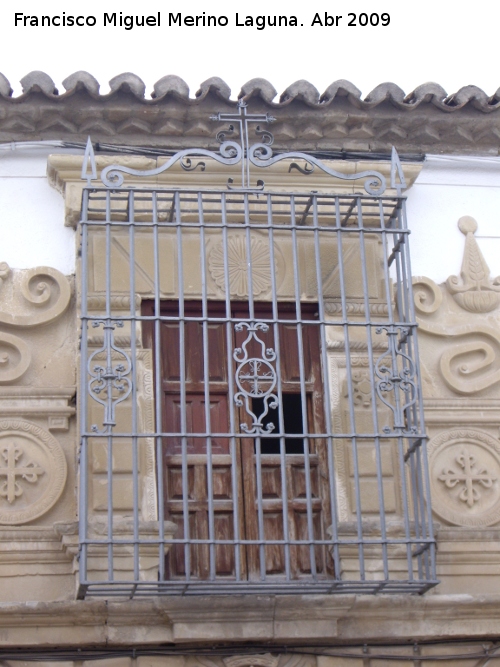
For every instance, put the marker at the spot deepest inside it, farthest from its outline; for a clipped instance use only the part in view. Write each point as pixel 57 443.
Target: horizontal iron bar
pixel 229 195
pixel 253 224
pixel 221 320
pixel 373 587
pixel 339 542
pixel 254 436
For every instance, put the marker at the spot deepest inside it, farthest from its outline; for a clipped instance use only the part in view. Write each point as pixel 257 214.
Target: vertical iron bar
pixel 303 393
pixel 235 480
pixel 371 366
pixel 411 414
pixel 425 496
pixel 133 358
pixel 326 382
pixel 258 443
pixel 107 333
pixel 246 146
pixel 83 415
pixel 277 348
pixel 401 453
pixel 206 390
pixel 158 392
pixel 182 379
pixel 390 313
pixel 352 423
pixel 413 458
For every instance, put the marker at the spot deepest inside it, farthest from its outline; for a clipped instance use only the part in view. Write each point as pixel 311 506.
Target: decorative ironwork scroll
pixel 261 155
pixel 229 153
pixel 397 375
pixel 255 377
pixel 241 151
pixel 109 384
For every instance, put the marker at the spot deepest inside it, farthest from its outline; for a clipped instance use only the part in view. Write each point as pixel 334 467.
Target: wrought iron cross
pixel 242 119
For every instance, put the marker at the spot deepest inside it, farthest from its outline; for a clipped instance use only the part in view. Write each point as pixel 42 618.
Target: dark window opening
pixel 292 422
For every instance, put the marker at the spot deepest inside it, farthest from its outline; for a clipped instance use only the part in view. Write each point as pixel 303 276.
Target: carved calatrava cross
pixel 29 471
pixel 469 477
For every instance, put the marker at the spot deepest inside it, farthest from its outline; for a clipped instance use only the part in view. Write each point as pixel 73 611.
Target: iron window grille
pixel 290 315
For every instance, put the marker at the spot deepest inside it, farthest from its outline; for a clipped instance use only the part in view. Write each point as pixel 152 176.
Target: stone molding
pixel 50 403
pixel 467 559
pixel 463 411
pixel 248 618
pixel 24 546
pixel 64 174
pixel 123 558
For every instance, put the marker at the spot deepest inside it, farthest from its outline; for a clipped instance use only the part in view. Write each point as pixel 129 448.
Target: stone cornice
pixel 463 410
pixel 21 546
pixel 425 120
pixel 64 173
pixel 233 619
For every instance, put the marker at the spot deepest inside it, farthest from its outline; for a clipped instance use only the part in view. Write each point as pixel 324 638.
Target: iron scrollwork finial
pixel 236 148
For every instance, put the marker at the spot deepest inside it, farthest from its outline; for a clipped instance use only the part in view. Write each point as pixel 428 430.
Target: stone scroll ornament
pixel 468 364
pixel 42 296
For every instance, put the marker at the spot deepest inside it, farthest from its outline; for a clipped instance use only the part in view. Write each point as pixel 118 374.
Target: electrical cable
pixel 488 653
pixel 119 149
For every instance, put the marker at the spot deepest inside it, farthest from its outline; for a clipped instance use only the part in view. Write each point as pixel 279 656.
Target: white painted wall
pixel 32 230
pixel 448 188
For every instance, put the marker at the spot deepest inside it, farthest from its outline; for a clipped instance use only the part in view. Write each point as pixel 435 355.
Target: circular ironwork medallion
pixel 256 378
